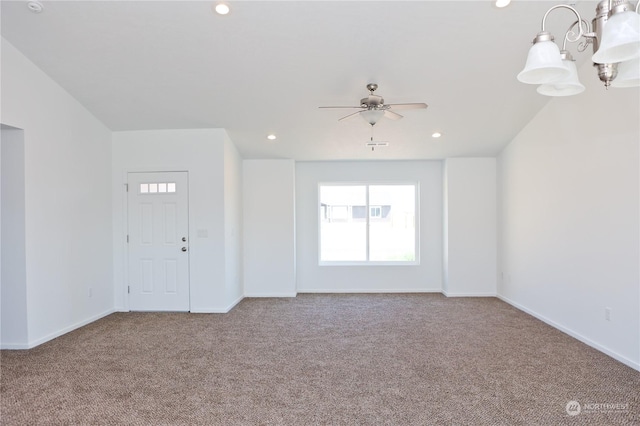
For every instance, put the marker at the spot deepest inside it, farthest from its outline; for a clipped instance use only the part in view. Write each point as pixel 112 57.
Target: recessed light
pixel 35 6
pixel 502 3
pixel 271 137
pixel 222 8
pixel 436 135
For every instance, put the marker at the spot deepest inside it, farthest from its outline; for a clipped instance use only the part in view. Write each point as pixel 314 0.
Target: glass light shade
pixel 628 74
pixel 568 86
pixel 620 39
pixel 372 116
pixel 544 64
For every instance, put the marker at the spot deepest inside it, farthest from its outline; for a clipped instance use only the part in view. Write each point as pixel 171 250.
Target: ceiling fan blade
pixel 346 117
pixel 392 115
pixel 336 107
pixel 418 105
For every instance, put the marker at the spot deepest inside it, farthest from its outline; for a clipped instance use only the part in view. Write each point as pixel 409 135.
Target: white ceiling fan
pixel 372 108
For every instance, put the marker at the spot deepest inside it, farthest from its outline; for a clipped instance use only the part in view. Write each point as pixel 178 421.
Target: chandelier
pixel 615 36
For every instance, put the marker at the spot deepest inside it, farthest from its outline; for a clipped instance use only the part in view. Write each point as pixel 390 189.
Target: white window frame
pixel 416 187
pixel 378 210
pixel 168 186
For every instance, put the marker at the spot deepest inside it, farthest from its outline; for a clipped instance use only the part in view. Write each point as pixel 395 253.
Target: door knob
pixel 184 239
pixel 184 249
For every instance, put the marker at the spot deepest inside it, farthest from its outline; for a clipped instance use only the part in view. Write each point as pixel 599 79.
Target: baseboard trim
pixel 209 311
pixel 360 290
pixel 449 294
pixel 271 294
pixel 38 342
pixel 234 303
pixel 14 346
pixel 218 311
pixel 626 361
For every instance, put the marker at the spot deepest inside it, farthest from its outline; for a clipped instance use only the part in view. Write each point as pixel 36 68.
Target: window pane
pixel 343 234
pixel 162 187
pixel 144 188
pixel 171 187
pixel 153 187
pixel 359 212
pixel 392 230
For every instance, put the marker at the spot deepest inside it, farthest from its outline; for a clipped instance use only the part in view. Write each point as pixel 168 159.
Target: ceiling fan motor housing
pixel 372 102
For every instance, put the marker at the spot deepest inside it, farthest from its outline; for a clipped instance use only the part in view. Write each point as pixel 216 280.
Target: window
pixel 375 212
pixel 348 235
pixel 156 188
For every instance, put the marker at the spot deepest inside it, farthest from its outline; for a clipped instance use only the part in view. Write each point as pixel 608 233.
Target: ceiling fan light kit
pixel 372 116
pixel 615 36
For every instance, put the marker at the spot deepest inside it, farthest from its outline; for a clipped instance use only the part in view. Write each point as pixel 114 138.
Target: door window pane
pixel 157 187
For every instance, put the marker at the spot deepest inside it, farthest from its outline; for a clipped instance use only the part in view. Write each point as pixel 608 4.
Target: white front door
pixel 158 245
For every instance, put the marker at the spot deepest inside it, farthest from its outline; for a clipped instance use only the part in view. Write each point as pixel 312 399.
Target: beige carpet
pixel 320 360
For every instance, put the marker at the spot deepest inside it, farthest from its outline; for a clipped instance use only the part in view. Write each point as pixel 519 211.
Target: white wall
pixel 269 228
pixel 200 152
pixel 233 223
pixel 470 241
pixel 67 161
pixel 13 287
pixel 425 277
pixel 570 217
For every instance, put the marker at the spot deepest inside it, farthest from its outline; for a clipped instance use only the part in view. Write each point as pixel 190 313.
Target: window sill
pixel 370 263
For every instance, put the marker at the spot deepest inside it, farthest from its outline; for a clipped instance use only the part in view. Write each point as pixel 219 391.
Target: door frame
pixel 124 288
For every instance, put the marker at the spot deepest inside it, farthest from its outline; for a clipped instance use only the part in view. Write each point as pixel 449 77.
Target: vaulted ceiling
pixel 267 66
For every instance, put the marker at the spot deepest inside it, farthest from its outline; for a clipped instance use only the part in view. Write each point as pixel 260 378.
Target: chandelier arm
pixel 564 6
pixel 583 45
